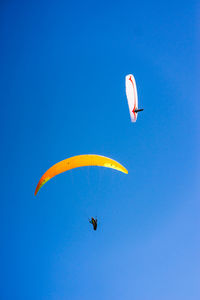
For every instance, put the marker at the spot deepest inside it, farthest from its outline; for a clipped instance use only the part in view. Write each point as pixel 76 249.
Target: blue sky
pixel 62 93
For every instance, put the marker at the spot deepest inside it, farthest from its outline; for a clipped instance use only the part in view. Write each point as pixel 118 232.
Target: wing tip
pixel 40 184
pixel 36 190
pixel 125 171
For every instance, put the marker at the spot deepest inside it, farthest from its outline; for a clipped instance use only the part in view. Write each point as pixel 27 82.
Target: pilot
pixel 94 223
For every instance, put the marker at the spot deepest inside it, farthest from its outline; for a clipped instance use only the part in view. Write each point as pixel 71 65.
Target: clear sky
pixel 62 93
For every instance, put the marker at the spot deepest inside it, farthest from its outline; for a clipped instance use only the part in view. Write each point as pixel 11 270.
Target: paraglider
pixel 131 93
pixel 76 162
pixel 94 223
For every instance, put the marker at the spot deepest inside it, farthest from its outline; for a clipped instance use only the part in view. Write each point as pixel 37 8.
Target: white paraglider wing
pixel 131 93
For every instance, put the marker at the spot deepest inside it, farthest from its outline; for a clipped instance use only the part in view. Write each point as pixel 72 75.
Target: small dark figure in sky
pixel 94 223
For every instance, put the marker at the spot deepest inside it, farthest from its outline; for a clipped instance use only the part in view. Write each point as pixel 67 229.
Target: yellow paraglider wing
pixel 76 162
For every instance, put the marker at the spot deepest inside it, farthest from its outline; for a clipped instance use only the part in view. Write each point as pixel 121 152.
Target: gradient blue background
pixel 62 93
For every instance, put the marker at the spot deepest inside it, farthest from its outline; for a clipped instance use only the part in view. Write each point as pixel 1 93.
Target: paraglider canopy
pixel 76 162
pixel 131 93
